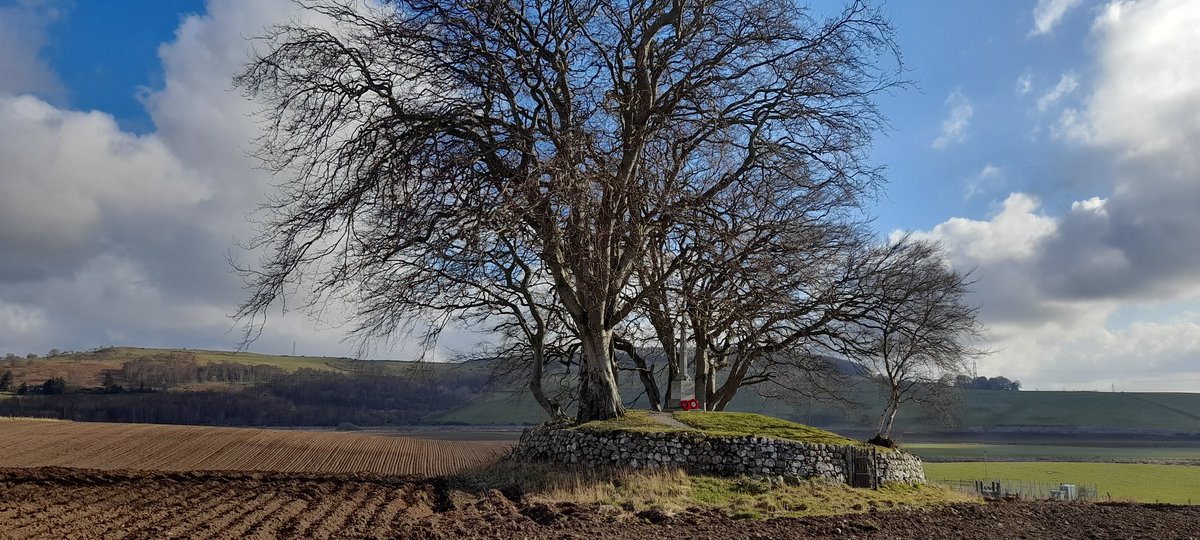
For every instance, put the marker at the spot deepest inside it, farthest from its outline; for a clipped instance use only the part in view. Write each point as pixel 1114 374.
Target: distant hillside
pixel 371 392
pixel 982 410
pixel 176 386
pixel 87 369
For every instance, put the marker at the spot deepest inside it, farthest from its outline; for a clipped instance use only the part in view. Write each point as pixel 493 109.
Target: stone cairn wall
pixel 696 453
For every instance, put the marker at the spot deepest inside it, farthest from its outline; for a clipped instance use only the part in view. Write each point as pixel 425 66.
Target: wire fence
pixel 1024 491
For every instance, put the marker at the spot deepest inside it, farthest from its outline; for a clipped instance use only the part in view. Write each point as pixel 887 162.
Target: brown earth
pixel 96 445
pixel 74 503
pixel 294 484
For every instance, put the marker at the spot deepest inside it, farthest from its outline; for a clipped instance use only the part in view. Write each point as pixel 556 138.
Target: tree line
pixel 303 398
pixel 986 383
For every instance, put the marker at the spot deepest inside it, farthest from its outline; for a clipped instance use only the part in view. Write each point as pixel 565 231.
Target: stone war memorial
pixel 720 444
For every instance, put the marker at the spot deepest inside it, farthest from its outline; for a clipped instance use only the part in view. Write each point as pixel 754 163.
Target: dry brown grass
pixel 673 490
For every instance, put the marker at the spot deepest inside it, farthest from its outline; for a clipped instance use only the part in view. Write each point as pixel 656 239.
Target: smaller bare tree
pixel 918 330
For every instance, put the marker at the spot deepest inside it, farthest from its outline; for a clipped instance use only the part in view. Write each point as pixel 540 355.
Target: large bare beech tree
pixel 410 134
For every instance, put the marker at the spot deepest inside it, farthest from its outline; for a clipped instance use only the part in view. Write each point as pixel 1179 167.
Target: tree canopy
pixel 613 160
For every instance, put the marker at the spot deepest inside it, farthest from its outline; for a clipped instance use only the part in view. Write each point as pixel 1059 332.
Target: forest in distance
pixel 185 387
pixel 175 389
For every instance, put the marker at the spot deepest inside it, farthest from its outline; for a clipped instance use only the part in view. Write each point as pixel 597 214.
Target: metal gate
pixel 860 468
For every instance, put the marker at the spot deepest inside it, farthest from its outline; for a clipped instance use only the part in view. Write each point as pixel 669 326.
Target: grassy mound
pixel 672 491
pixel 718 424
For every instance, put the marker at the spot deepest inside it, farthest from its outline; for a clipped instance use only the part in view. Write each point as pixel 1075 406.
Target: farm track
pixel 196 448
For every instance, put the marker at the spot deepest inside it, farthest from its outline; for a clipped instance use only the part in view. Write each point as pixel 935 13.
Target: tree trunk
pixel 887 418
pixel 644 373
pixel 599 398
pixel 891 420
pixel 737 373
pixel 701 373
pixel 535 384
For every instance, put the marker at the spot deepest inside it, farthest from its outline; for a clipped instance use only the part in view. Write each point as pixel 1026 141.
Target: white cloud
pixel 954 127
pixel 1072 126
pixel 69 176
pixel 1066 84
pixel 1145 101
pixel 1057 285
pixel 1025 83
pixel 988 178
pixel 1079 352
pixel 1053 284
pixel 1046 337
pixel 110 237
pixel 1047 14
pixel 1015 232
pixel 1094 205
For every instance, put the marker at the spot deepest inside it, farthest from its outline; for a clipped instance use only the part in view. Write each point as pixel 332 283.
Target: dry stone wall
pixel 724 456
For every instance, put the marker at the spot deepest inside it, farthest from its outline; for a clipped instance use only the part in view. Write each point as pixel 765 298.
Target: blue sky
pixel 1044 142
pixel 106 52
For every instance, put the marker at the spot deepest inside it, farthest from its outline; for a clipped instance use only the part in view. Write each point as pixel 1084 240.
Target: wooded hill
pixel 226 388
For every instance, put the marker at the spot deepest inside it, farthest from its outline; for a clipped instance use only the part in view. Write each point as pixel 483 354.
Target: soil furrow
pixel 41 520
pixel 171 500
pixel 334 523
pixel 216 501
pixel 252 518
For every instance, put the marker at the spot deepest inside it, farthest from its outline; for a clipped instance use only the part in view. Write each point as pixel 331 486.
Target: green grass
pixel 508 407
pixel 1178 484
pixel 719 424
pixel 732 424
pixel 975 451
pixel 742 497
pixel 1103 409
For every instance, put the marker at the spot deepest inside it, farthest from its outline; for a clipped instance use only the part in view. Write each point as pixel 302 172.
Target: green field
pixel 287 363
pixel 1041 452
pixel 1178 484
pixel 1067 409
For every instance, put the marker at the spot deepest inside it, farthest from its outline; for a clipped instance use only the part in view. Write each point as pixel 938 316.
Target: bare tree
pixel 410 130
pixel 514 299
pixel 918 330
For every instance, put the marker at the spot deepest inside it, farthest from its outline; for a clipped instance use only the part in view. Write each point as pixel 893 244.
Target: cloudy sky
pixel 1047 144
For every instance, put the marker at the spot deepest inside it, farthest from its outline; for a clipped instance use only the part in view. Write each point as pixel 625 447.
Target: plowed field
pixel 365 486
pixel 194 448
pixel 62 503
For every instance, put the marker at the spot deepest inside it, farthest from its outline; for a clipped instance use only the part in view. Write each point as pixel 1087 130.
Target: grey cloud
pixel 22 36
